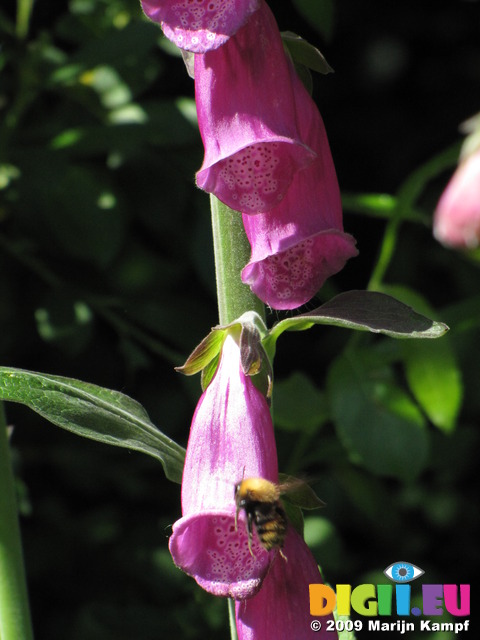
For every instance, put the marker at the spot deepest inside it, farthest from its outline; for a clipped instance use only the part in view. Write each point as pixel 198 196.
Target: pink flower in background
pixel 231 435
pixel 457 216
pixel 281 609
pixel 300 243
pixel 248 120
pixel 199 25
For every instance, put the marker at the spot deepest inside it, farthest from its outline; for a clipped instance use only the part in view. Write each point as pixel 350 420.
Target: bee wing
pixel 299 493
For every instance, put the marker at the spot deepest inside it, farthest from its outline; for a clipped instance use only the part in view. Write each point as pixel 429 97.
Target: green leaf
pixel 435 380
pixel 432 371
pixel 381 428
pixel 305 54
pixel 365 311
pixel 299 405
pixel 93 412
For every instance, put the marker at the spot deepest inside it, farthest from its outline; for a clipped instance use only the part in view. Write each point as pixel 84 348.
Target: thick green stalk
pixel 15 621
pixel 232 252
pixel 24 12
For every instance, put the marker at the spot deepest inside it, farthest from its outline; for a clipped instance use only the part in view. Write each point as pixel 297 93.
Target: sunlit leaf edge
pixel 77 395
pixel 338 312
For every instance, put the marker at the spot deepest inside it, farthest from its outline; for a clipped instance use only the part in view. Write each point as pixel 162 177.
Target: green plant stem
pixel 387 250
pixel 24 11
pixel 232 252
pixel 15 621
pixel 231 619
pixel 406 198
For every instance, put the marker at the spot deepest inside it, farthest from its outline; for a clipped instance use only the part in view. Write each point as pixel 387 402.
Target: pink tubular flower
pixel 199 25
pixel 247 117
pixel 231 436
pixel 281 609
pixel 457 216
pixel 300 243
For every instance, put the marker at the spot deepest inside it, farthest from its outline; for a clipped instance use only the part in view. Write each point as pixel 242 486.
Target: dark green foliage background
pixel 106 275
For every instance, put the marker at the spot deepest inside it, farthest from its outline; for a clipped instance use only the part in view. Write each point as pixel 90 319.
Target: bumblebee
pixel 260 499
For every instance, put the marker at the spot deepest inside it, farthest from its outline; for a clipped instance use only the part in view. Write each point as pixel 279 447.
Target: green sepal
pixel 364 311
pixel 254 359
pixel 209 371
pixel 204 353
pixel 305 54
pixel 92 412
pixel 294 515
pixel 248 331
pixel 471 143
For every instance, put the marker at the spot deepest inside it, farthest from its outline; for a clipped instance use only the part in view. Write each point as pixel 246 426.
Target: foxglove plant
pixel 457 216
pixel 231 436
pixel 300 243
pixel 201 25
pixel 248 118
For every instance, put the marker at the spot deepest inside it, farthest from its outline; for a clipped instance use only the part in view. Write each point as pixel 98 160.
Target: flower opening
pixel 201 25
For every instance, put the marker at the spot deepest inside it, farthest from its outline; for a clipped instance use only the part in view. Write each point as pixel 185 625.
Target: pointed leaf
pixel 93 412
pixel 204 353
pixel 305 54
pixel 365 311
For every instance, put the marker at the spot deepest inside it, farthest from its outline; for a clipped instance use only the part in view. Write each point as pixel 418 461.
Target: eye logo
pixel 403 572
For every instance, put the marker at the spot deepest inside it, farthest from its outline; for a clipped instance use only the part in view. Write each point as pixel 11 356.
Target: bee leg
pixel 250 535
pixel 283 555
pixel 236 518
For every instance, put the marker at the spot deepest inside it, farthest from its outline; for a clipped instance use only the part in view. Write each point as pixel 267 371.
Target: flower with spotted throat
pixel 231 435
pixel 248 119
pixel 201 25
pixel 300 243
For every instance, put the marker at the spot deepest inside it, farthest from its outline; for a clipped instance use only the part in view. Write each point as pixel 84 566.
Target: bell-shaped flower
pixel 457 216
pixel 231 436
pixel 300 243
pixel 200 25
pixel 247 118
pixel 281 609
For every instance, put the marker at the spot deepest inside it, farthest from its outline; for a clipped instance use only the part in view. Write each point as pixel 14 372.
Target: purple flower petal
pixel 457 216
pixel 248 119
pixel 199 25
pixel 281 609
pixel 290 278
pixel 300 243
pixel 208 547
pixel 231 437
